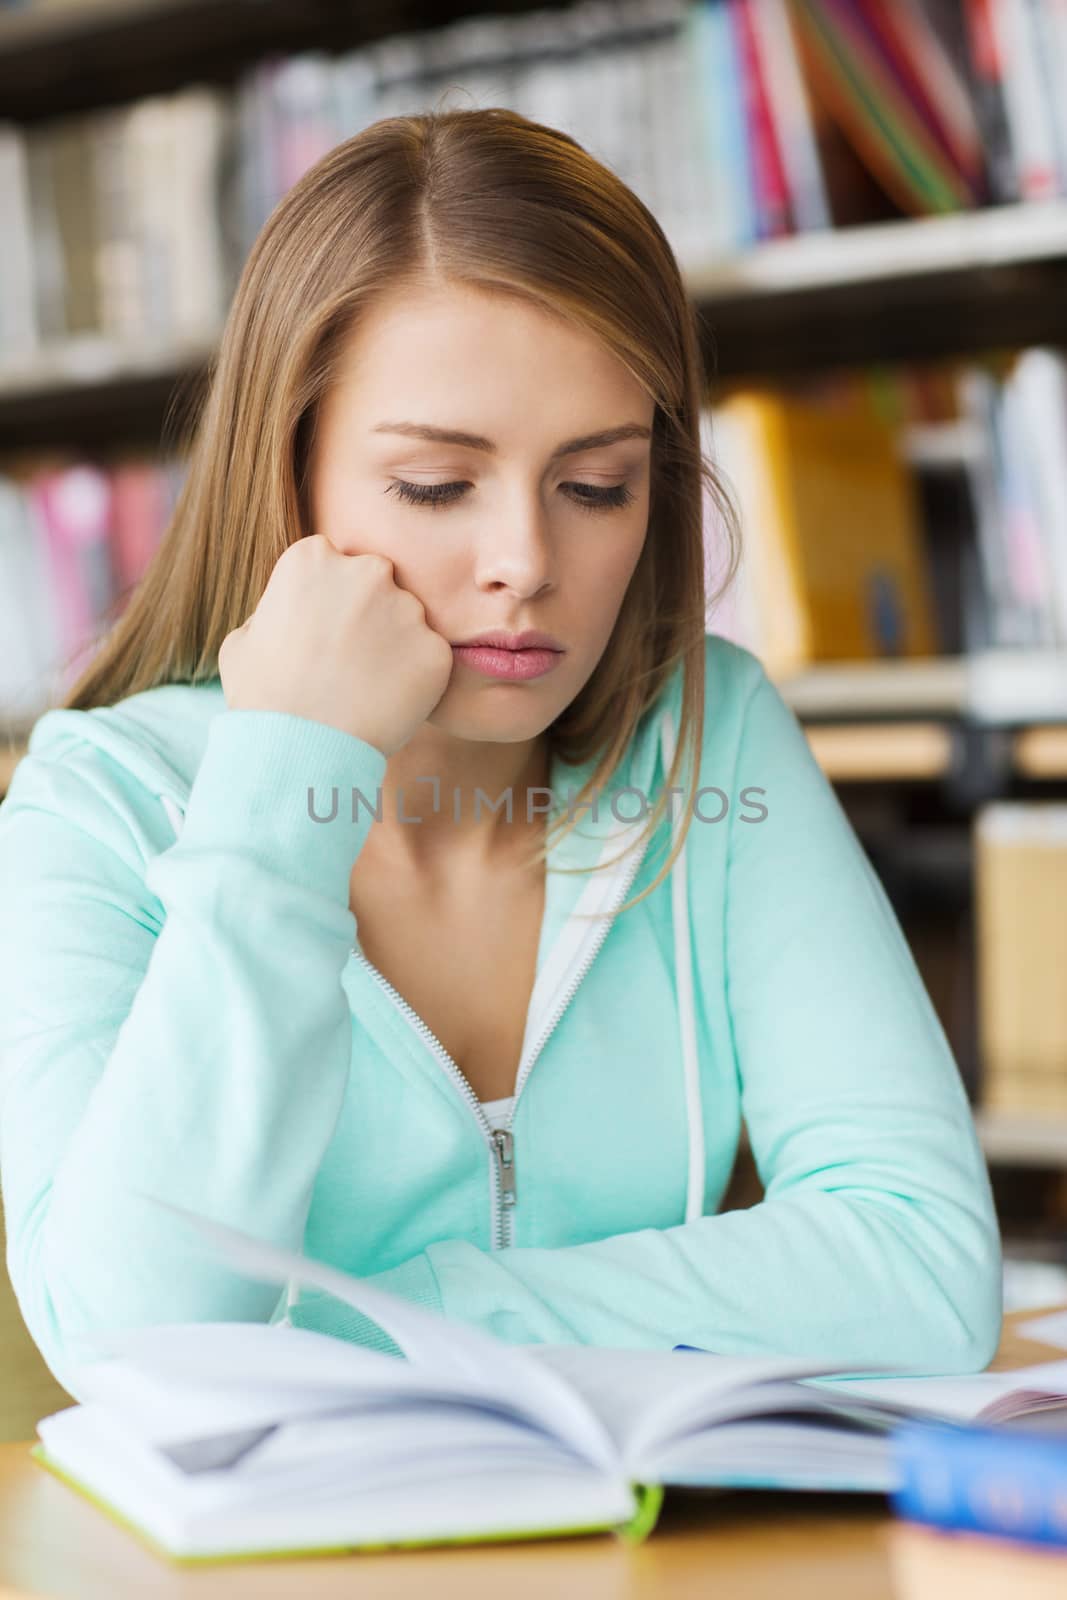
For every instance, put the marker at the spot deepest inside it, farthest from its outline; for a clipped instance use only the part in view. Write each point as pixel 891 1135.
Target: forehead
pixel 434 352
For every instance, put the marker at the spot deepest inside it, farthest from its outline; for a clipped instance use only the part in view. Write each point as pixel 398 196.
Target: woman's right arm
pixel 172 1019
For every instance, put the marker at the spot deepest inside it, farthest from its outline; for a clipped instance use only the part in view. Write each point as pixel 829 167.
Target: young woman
pixel 266 954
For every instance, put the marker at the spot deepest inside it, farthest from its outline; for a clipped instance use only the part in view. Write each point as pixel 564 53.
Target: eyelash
pixel 441 494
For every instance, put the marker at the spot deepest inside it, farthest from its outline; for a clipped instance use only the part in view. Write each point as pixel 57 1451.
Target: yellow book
pixel 1021 951
pixel 831 529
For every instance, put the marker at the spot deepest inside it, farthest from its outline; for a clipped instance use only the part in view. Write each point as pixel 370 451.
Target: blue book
pixel 722 126
pixel 1002 1480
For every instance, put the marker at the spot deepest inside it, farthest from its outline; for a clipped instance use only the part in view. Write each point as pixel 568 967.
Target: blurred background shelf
pixel 913 289
pixel 56 60
pixel 1041 752
pixel 861 752
pixel 1035 1140
pixel 884 252
pixel 896 290
pixel 995 686
pixel 88 396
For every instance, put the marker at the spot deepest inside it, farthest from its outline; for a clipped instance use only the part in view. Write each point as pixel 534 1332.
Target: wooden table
pixel 754 1545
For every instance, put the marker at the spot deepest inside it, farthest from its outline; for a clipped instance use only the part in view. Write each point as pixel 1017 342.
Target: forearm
pixel 208 1069
pixel 844 1277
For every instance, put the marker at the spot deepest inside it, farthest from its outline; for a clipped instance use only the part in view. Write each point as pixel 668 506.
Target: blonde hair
pixel 486 198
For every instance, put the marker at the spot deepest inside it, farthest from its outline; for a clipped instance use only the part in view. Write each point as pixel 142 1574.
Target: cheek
pixel 606 583
pixel 356 524
pixel 341 513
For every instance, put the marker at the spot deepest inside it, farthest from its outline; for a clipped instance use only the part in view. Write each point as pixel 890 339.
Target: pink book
pixel 140 512
pixel 772 189
pixel 72 506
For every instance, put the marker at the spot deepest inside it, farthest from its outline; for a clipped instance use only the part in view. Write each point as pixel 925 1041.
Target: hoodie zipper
pixel 501 1141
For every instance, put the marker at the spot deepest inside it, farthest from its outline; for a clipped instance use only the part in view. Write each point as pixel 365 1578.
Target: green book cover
pixel 649 1498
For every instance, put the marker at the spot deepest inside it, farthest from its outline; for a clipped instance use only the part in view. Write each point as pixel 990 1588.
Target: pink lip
pixel 518 666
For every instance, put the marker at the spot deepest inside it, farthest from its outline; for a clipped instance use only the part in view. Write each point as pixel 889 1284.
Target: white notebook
pixel 222 1440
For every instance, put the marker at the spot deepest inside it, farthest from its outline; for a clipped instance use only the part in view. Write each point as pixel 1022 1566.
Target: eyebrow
pixel 475 441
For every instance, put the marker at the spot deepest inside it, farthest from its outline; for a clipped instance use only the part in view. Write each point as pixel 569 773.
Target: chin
pixel 501 724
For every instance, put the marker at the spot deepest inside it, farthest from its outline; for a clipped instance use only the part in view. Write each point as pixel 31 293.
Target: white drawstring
pixel 683 968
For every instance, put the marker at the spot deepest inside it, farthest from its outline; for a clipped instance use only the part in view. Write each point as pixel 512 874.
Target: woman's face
pixel 523 536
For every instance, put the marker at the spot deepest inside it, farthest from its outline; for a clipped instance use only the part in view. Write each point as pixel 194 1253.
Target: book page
pixel 194 1384
pixel 449 1349
pixel 644 1397
pixel 964 1396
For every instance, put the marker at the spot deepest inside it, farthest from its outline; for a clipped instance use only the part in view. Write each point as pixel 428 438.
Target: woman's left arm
pixel 876 1243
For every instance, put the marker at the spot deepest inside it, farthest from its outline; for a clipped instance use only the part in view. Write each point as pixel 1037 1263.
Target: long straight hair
pixel 490 199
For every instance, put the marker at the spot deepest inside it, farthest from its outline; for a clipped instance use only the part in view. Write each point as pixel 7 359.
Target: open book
pixel 229 1439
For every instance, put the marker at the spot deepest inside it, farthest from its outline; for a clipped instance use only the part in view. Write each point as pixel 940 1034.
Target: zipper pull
pixel 505 1161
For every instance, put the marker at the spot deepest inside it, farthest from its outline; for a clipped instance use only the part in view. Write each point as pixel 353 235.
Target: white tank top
pixel 498 1111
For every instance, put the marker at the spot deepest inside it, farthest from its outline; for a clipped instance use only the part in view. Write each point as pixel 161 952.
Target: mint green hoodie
pixel 185 1012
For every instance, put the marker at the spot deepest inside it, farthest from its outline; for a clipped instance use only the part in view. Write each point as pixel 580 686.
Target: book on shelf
pixel 900 96
pixel 864 539
pixel 215 1440
pixel 75 538
pixel 822 579
pixel 29 623
pixel 1020 877
pixel 1029 38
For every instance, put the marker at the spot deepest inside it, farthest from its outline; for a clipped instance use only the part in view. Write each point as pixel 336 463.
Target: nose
pixel 517 551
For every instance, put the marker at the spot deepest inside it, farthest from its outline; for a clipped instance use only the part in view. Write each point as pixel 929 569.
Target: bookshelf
pixel 59 59
pixel 1041 751
pixel 883 252
pixel 93 361
pixel 860 752
pixel 1018 1140
pixel 993 687
pixel 91 393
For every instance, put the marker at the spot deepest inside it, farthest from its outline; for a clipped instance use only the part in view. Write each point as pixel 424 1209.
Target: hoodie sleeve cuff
pixel 325 1313
pixel 413 1279
pixel 296 795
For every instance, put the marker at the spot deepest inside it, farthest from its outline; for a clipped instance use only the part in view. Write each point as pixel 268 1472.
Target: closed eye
pixel 586 495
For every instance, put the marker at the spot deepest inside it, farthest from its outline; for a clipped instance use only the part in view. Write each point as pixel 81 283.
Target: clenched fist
pixel 335 639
